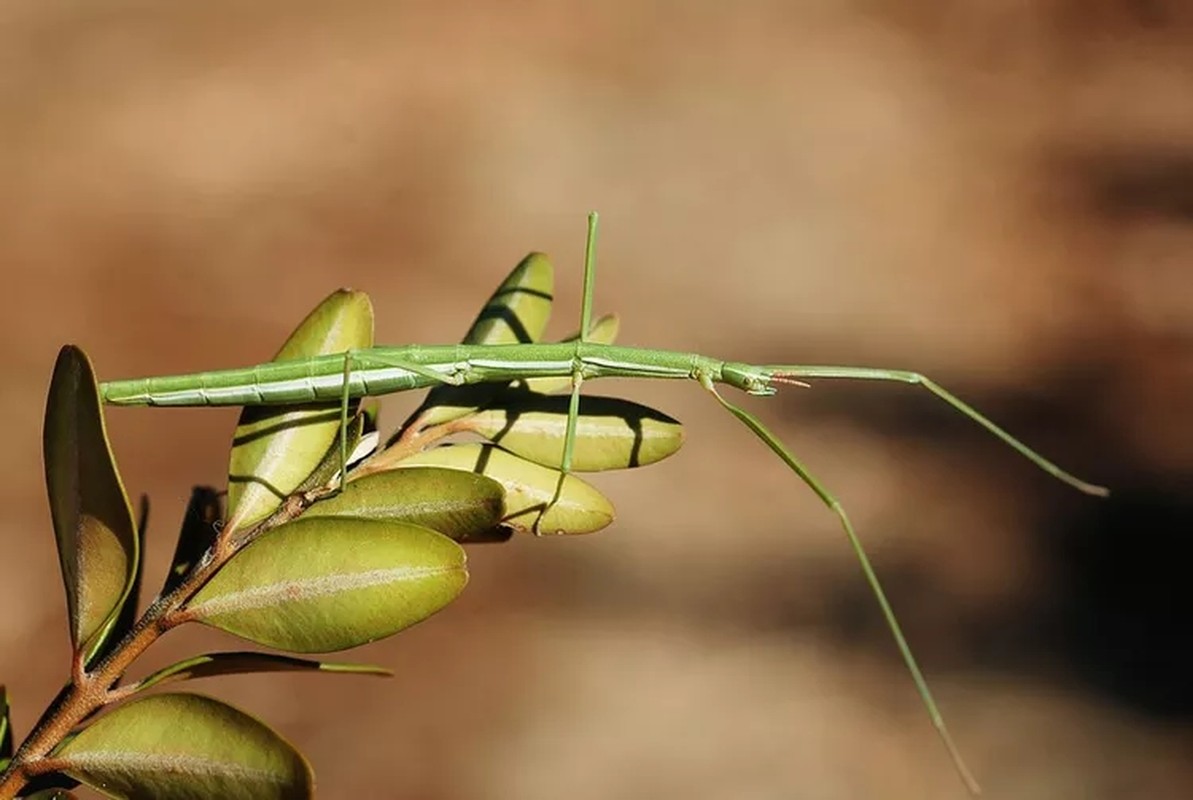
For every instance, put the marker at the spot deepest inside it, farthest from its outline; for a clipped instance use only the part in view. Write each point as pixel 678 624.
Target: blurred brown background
pixel 998 194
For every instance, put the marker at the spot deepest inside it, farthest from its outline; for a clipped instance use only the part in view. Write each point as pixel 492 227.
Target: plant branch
pixel 91 690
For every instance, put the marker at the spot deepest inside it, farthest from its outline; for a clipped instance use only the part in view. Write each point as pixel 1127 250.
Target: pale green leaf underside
pixel 184 747
pixel 327 584
pixel 610 433
pixel 529 487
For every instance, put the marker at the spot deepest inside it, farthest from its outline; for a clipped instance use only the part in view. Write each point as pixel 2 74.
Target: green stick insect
pixel 348 376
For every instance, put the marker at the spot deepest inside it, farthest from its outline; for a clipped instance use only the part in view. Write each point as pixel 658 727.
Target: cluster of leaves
pixel 294 558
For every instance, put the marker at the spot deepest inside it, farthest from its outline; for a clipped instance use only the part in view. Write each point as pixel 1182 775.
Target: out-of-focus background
pixel 997 194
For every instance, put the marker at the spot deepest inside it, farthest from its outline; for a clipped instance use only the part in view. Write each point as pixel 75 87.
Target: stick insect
pixel 382 370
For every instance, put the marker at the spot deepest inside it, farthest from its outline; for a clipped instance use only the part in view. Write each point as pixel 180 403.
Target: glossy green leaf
pixel 184 747
pixel 5 725
pixel 529 487
pixel 517 313
pixel 610 433
pixel 239 663
pixel 603 331
pixel 460 505
pixel 326 584
pixel 93 521
pixel 276 448
pixel 200 526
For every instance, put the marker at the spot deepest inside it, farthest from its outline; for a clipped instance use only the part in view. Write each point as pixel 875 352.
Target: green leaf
pixel 610 433
pixel 239 663
pixel 460 505
pixel 93 521
pixel 275 449
pixel 5 725
pixel 529 487
pixel 126 618
pixel 200 526
pixel 603 331
pixel 184 747
pixel 320 585
pixel 517 313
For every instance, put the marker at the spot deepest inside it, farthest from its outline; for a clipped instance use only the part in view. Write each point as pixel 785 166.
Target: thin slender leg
pixel 569 438
pixel 345 396
pixel 796 466
pixel 916 379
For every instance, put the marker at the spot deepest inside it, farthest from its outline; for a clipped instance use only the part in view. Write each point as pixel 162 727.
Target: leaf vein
pixel 275 594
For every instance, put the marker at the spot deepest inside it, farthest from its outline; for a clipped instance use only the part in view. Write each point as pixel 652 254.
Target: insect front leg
pixel 807 371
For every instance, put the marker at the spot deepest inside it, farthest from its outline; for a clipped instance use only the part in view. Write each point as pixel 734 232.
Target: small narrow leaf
pixel 184 747
pixel 460 505
pixel 610 433
pixel 200 526
pixel 276 448
pixel 93 520
pixel 517 313
pixel 602 331
pixel 321 585
pixel 529 488
pixel 239 663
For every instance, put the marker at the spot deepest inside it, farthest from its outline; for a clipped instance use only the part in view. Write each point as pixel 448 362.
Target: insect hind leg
pixel 778 448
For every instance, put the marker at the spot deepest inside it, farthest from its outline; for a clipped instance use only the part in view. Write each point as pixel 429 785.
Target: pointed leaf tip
pixel 516 313
pixel 275 449
pixel 93 519
pixel 518 310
